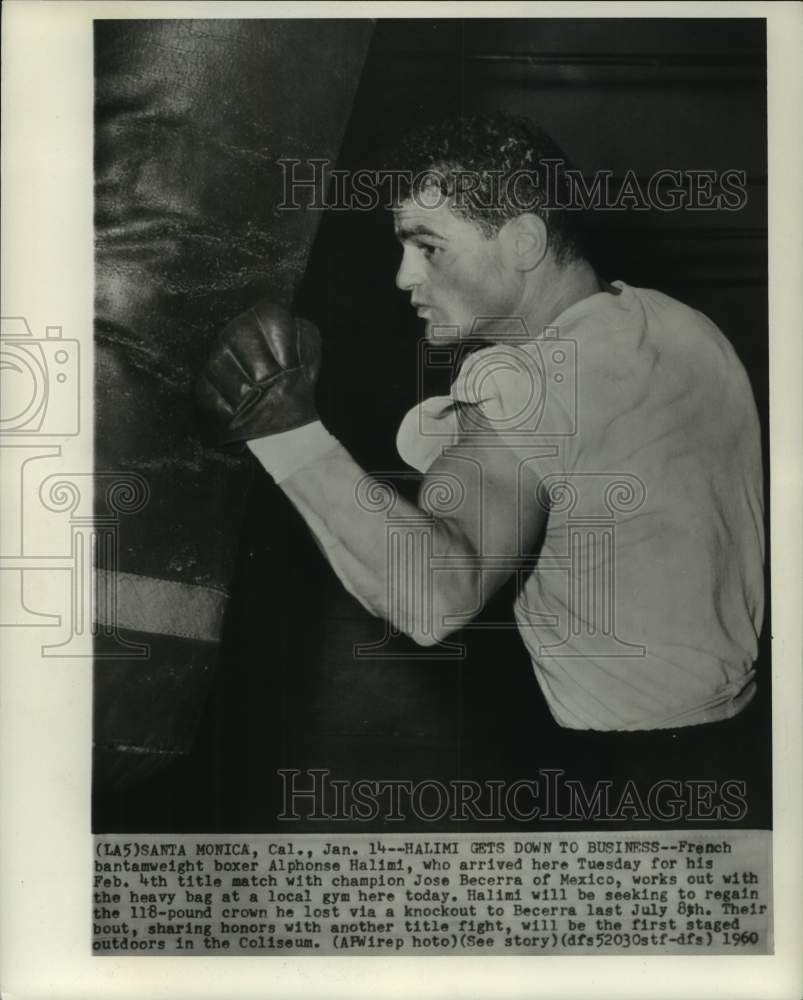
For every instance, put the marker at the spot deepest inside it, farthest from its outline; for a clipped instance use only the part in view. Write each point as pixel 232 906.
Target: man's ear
pixel 525 239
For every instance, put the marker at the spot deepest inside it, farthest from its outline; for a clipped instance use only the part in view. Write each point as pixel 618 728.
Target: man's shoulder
pixel 642 334
pixel 632 319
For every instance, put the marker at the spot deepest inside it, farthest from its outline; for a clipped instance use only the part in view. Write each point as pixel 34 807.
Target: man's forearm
pixel 258 387
pixel 389 571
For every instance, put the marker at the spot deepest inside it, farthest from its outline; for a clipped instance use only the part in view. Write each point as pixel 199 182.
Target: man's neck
pixel 554 290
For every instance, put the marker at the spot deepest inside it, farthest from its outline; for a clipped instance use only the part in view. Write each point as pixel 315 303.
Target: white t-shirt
pixel 633 410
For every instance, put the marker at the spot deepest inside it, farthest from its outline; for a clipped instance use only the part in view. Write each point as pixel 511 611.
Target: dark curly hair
pixel 493 168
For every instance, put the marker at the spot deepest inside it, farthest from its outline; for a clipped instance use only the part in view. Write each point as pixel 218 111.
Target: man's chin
pixel 443 333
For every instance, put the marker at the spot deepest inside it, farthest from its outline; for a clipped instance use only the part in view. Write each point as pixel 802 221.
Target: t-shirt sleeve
pixel 522 394
pixel 426 430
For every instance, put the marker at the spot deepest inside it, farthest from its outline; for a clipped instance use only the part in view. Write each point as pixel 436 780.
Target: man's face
pixel 455 275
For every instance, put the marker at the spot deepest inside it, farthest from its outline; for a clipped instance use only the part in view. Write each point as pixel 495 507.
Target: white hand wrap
pixel 283 454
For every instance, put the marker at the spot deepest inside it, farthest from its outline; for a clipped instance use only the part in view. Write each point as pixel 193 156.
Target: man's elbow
pixel 429 638
pixel 446 612
pixel 438 628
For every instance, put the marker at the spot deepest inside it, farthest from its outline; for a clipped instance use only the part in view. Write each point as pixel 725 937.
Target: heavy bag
pixel 191 117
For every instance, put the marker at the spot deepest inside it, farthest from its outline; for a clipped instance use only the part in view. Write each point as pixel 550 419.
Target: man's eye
pixel 428 249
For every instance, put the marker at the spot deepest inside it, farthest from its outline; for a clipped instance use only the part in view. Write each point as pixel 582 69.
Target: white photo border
pixel 45 711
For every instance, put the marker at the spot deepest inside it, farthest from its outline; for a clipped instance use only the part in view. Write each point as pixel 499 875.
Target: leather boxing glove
pixel 260 377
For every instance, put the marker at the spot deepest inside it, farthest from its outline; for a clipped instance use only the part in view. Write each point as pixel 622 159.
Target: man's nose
pixel 408 275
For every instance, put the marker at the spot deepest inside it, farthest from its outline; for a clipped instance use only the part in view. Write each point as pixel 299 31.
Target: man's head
pixel 477 218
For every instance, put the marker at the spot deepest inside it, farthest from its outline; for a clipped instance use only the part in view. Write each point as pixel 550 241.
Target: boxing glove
pixel 260 377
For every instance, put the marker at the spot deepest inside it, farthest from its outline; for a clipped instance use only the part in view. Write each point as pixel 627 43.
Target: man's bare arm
pixel 423 567
pixel 427 567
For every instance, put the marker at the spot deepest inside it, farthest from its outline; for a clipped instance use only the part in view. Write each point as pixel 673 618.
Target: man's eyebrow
pixel 406 232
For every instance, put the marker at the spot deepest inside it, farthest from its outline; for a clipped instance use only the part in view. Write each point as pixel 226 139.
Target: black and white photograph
pixel 409 507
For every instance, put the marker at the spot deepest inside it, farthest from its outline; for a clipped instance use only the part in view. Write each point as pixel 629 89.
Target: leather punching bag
pixel 191 117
